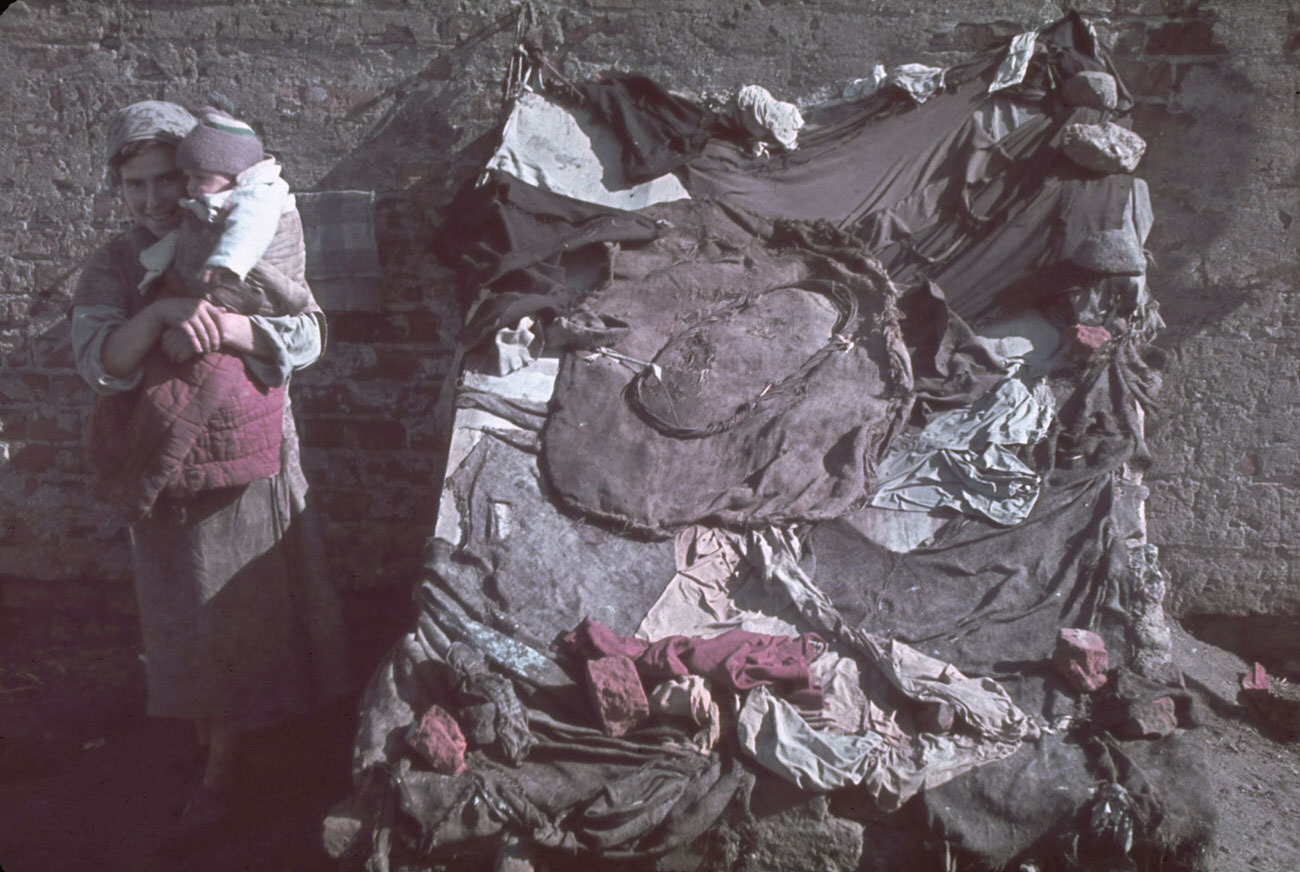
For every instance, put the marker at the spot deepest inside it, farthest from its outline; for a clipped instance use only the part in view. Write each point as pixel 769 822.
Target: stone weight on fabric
pixel 1081 658
pixel 1091 89
pixel 1103 148
pixel 1113 252
pixel 438 739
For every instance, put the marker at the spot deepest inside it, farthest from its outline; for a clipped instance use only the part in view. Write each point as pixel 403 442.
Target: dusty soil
pixel 88 782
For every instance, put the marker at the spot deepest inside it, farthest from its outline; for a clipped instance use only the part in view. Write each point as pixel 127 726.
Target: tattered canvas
pixel 866 376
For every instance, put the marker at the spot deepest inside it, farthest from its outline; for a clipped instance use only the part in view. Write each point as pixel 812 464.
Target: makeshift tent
pixel 801 445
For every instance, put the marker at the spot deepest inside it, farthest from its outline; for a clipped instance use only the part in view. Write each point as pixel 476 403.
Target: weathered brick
pixel 339 398
pixel 32 456
pixel 53 427
pixel 1184 38
pixel 1080 658
pixel 438 739
pixel 371 434
pixel 411 326
pixel 398 364
pixel 616 694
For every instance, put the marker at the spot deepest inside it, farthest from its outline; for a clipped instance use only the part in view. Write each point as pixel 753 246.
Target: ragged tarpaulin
pixel 739 366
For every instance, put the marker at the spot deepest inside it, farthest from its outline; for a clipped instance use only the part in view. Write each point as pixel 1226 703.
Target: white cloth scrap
pixel 765 115
pixel 1014 66
pixel 920 81
pixel 965 459
pixel 569 152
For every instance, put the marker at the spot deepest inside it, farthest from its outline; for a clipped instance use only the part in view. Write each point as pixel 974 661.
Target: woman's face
pixel 152 185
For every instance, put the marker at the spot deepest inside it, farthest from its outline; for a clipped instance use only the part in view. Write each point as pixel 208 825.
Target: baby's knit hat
pixel 219 144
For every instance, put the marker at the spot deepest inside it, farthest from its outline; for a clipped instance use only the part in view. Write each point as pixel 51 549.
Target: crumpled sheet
pixel 865 737
pixel 562 149
pixel 966 459
pixel 921 82
pixel 777 736
pixel 518 249
pixel 1014 66
pixel 577 790
pixel 867 85
pixel 981 703
pixel 951 364
pixel 658 131
pixel 688 696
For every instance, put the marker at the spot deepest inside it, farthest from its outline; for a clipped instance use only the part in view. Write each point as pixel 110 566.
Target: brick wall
pixel 398 97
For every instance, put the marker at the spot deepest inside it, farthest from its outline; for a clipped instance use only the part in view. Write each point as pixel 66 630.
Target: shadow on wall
pixel 1202 121
pixel 419 143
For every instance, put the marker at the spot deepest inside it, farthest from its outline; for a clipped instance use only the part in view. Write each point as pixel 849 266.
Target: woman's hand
pixel 188 326
pixel 176 344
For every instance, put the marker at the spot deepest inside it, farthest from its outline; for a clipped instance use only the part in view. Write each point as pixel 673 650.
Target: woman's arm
pixel 197 321
pixel 110 346
pixel 296 342
pixel 272 346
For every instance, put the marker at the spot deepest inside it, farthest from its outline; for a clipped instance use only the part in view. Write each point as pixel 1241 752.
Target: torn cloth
pixel 925 186
pixel 777 736
pixel 865 735
pixel 508 242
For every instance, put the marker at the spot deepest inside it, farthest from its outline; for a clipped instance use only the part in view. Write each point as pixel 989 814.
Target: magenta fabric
pixel 189 427
pixel 737 660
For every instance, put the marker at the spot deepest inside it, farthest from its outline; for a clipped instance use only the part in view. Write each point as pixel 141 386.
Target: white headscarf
pixel 147 120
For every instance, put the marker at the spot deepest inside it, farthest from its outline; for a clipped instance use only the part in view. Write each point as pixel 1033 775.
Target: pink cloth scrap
pixel 737 660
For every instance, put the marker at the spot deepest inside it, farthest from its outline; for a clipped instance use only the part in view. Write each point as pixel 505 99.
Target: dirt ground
pixel 88 782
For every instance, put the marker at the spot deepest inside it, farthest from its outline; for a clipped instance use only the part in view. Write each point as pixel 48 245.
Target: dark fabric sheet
pixel 781 377
pixel 1039 806
pixel 660 132
pixel 1024 259
pixel 852 162
pixel 644 805
pixel 951 365
pixel 507 240
pixel 984 597
pixel 929 190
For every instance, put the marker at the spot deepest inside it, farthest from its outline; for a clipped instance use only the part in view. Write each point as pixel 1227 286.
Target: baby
pixel 241 244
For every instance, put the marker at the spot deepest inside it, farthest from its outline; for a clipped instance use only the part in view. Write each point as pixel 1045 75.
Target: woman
pixel 241 630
